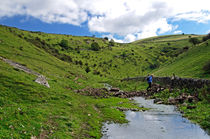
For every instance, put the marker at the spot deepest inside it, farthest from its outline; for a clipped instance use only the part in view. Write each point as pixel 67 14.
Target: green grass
pixel 189 64
pixel 200 114
pixel 167 38
pixel 29 109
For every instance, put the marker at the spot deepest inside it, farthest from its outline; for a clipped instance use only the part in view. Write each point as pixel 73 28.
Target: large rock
pixel 42 80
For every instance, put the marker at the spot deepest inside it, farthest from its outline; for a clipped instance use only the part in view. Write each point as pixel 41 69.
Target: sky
pixel 122 20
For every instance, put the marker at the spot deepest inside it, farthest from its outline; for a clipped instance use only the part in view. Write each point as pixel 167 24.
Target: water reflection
pixel 161 122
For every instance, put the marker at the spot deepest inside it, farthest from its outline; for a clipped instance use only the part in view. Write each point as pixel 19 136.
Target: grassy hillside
pixel 112 60
pixel 70 62
pixel 108 61
pixel 28 109
pixel 175 54
pixel 167 38
pixel 189 64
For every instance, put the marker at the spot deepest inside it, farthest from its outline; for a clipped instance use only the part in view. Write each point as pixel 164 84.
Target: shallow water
pixel 160 122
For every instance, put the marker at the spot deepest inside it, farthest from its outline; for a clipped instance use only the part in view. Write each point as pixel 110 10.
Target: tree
pixel 95 46
pixel 64 44
pixel 111 43
pixel 194 41
pixel 106 38
pixel 205 38
pixel 87 69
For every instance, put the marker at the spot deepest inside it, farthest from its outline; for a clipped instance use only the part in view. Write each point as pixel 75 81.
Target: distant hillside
pixel 104 58
pixel 167 38
pixel 182 57
pixel 189 64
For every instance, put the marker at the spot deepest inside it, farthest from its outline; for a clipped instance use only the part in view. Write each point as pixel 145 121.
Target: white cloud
pixel 63 11
pixel 177 32
pixel 110 36
pixel 133 19
pixel 200 17
pixel 130 38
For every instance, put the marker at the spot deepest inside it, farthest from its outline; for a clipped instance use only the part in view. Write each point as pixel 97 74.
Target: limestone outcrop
pixel 41 79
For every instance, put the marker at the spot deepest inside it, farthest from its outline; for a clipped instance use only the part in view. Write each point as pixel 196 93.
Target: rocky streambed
pixel 116 92
pixel 160 122
pixel 156 88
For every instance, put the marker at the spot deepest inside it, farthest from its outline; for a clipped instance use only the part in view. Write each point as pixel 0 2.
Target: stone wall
pixel 176 82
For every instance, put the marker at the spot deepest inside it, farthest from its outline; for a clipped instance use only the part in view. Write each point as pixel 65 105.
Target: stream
pixel 160 122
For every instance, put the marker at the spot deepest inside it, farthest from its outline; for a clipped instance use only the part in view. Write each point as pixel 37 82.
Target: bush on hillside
pixel 206 67
pixel 95 46
pixel 154 66
pixel 194 41
pixel 185 48
pixel 111 43
pixel 64 44
pixel 80 62
pixel 205 38
pixel 65 58
pixel 106 38
pixel 87 69
pixel 95 72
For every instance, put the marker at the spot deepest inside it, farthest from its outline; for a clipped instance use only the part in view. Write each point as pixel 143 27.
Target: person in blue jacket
pixel 149 81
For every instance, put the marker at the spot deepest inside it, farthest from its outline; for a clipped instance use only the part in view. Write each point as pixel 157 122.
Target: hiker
pixel 149 81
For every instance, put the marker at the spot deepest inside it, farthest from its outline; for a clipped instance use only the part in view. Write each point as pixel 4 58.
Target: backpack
pixel 148 78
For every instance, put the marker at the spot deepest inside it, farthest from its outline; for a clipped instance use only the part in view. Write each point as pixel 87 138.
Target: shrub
pixel 205 38
pixel 64 44
pixel 154 66
pixel 106 38
pixel 194 41
pixel 186 48
pixel 96 72
pixel 80 62
pixel 87 69
pixel 76 62
pixel 111 43
pixel 66 58
pixel 95 46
